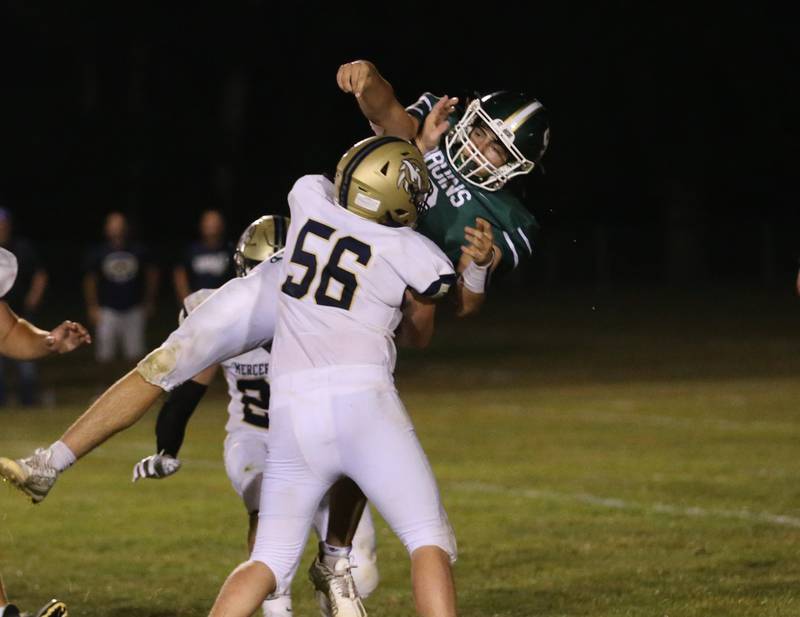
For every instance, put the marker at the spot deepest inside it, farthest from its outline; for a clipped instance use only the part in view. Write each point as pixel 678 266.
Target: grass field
pixel 602 456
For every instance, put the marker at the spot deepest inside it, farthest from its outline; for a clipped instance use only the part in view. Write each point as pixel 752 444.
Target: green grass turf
pixel 624 457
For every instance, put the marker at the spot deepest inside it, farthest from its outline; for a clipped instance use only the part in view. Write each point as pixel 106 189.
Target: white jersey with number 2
pixel 246 374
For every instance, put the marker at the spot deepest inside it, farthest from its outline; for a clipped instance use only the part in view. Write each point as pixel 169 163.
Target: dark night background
pixel 670 153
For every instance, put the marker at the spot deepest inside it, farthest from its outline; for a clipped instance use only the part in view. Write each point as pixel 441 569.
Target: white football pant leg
pixel 290 495
pixel 381 453
pixel 245 456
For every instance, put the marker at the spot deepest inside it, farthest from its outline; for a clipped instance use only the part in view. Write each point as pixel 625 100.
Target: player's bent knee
pixel 441 537
pixel 280 569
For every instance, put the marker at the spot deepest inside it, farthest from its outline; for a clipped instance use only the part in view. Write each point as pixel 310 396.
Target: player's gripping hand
pixel 480 243
pixel 156 466
pixel 355 76
pixel 67 337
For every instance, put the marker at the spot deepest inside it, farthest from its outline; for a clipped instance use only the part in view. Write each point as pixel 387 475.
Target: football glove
pixel 156 466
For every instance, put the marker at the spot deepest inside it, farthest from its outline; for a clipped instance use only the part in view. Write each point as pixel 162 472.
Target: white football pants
pixel 245 458
pixel 334 422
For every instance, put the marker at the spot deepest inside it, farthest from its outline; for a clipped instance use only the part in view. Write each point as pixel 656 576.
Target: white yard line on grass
pixel 622 504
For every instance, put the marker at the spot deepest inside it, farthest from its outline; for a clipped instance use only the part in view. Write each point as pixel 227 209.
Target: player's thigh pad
pixel 245 457
pixel 381 453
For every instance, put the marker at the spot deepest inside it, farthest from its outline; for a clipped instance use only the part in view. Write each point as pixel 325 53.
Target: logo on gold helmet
pixel 410 178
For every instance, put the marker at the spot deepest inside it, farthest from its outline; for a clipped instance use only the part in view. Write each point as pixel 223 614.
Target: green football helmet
pixel 261 240
pixel 521 126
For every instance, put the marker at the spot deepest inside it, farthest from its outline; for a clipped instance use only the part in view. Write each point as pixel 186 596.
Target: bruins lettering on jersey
pixel 445 180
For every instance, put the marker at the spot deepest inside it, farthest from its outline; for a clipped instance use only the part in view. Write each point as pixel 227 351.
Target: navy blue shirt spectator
pixel 207 263
pixel 208 267
pixel 120 272
pixel 120 283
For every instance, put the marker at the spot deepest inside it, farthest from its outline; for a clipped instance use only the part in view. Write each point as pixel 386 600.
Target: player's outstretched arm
pixel 173 417
pixel 375 97
pixel 22 340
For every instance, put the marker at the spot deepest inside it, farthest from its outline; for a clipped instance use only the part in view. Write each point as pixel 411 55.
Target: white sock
pixel 277 606
pixel 61 456
pixel 329 555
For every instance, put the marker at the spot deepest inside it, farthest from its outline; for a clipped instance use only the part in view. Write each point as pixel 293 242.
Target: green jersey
pixel 454 204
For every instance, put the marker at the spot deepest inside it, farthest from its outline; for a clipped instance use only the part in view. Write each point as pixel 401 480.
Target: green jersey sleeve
pixel 514 228
pixel 423 106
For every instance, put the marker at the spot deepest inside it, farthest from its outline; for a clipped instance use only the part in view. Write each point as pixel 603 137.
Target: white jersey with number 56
pixel 343 279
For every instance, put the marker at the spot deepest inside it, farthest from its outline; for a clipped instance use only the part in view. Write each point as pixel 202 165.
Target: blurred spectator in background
pixel 119 285
pixel 207 262
pixel 24 299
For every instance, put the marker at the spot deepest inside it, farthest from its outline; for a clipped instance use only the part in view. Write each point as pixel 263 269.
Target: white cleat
pixel 336 591
pixel 34 475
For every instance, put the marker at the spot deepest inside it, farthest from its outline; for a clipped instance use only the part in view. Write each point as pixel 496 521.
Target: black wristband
pixel 175 414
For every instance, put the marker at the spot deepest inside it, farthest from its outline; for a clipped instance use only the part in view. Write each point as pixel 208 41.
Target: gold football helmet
pixel 261 240
pixel 383 179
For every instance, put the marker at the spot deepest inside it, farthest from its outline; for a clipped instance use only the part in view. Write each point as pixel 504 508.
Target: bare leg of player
pixel 432 580
pixel 118 408
pixel 121 406
pixel 244 590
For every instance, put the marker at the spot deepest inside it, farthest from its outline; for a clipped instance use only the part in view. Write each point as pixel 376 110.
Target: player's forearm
pixel 24 341
pixel 382 109
pixel 416 329
pixel 468 302
pixel 119 407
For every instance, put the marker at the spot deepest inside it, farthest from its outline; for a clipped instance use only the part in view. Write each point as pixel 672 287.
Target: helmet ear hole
pixel 385 168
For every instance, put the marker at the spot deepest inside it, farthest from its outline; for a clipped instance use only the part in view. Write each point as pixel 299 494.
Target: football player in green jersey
pixel 498 137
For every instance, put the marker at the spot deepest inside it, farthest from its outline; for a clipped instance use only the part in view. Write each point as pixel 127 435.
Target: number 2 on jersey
pixel 255 408
pixel 331 270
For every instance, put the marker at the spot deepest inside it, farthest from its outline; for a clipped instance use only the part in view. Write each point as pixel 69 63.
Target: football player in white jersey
pixel 248 418
pixel 354 272
pixel 209 336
